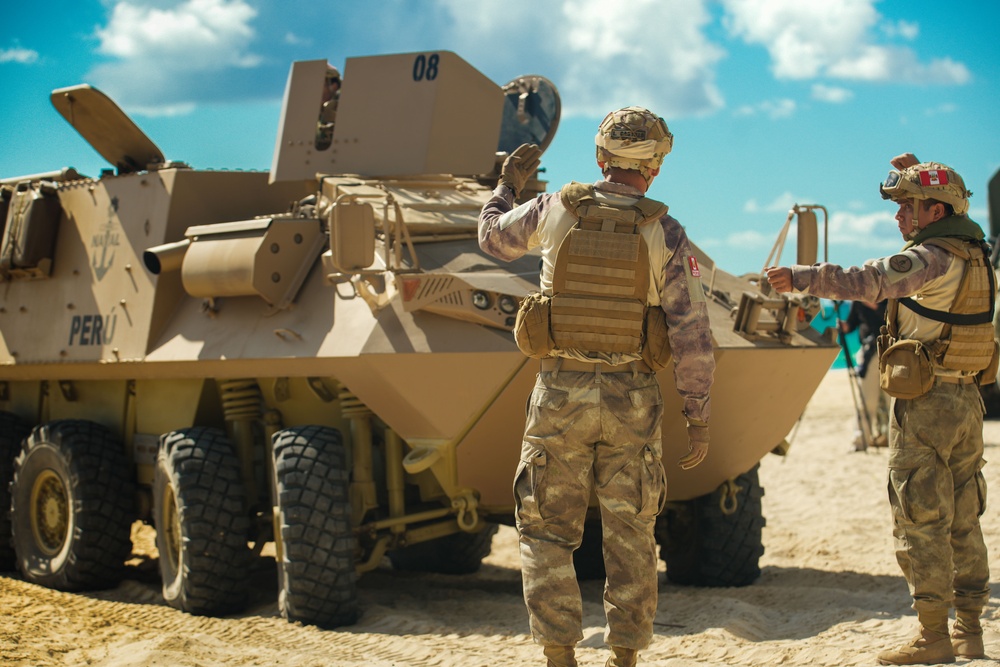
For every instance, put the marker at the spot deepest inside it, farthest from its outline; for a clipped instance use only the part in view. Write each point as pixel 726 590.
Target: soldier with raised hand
pixel 936 346
pixel 620 293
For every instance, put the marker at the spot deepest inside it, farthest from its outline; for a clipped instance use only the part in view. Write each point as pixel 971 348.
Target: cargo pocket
pixel 981 488
pixel 549 399
pixel 654 484
pixel 529 485
pixel 913 481
pixel 646 397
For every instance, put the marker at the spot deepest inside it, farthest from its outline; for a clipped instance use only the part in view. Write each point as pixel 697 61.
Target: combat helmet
pixel 927 180
pixel 633 138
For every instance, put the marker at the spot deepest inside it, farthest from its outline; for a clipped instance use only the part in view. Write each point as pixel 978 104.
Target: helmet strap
pixel 916 219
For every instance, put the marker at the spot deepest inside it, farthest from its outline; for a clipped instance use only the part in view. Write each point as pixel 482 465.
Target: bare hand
pixel 903 161
pixel 779 277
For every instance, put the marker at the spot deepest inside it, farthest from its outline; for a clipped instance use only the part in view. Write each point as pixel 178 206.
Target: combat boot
pixel 927 648
pixel 560 656
pixel 622 657
pixel 967 636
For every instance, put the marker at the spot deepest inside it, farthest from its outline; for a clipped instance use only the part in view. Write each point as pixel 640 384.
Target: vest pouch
pixel 656 345
pixel 905 369
pixel 989 374
pixel 532 330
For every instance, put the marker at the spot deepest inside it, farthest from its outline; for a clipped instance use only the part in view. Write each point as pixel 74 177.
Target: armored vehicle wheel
pixel 588 560
pixel 199 510
pixel 12 432
pixel 72 506
pixel 715 540
pixel 458 553
pixel 317 581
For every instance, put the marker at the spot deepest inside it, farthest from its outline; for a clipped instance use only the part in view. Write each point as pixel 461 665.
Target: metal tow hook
pixel 468 514
pixel 727 500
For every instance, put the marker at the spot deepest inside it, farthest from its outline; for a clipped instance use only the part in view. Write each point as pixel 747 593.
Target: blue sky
pixel 772 102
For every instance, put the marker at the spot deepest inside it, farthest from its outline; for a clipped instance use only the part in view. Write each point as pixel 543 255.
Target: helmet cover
pixel 633 138
pixel 927 180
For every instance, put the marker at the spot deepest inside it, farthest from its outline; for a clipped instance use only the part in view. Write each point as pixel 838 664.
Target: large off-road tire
pixel 588 560
pixel 12 432
pixel 458 553
pixel 714 540
pixel 317 580
pixel 202 522
pixel 72 506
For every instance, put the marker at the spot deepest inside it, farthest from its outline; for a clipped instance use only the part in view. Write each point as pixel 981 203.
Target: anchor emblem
pixel 104 241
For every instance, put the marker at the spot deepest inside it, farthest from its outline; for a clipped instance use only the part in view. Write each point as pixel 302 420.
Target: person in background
pixel 936 346
pixel 867 319
pixel 328 108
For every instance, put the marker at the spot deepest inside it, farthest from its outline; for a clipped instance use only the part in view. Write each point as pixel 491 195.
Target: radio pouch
pixel 532 330
pixel 905 369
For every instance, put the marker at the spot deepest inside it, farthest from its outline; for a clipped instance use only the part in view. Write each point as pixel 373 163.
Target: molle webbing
pixel 601 276
pixel 966 342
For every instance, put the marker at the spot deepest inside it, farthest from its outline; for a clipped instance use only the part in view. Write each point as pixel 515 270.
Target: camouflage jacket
pixel 507 233
pixel 928 273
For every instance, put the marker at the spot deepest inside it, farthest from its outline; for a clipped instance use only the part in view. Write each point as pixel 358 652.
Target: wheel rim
pixel 171 522
pixel 50 512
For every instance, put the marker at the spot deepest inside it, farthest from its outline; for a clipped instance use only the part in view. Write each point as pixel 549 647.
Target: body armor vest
pixel 600 280
pixel 967 338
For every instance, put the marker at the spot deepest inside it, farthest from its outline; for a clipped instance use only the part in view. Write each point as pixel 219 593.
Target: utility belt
pixel 906 370
pixel 956 379
pixel 564 364
pixel 534 337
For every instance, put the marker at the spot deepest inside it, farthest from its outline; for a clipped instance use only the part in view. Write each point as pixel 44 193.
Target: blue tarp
pixel 827 318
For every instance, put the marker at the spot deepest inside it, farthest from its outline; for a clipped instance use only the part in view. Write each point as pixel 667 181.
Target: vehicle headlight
pixel 481 300
pixel 508 304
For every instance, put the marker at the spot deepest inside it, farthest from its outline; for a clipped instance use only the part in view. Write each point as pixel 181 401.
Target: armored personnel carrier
pixel 320 356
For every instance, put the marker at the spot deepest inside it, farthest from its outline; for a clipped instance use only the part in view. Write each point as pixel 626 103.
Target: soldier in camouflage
pixel 593 422
pixel 328 107
pixel 943 280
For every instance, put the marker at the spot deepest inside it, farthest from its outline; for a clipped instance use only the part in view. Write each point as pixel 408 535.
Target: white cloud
pixel 905 29
pixel 18 55
pixel 606 53
pixel 811 39
pixel 749 238
pixel 773 109
pixel 161 53
pixel 878 63
pixel 780 204
pixel 875 230
pixel 210 33
pixel 832 94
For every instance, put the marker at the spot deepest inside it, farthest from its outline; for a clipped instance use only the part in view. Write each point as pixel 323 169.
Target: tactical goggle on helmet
pixel 927 180
pixel 633 138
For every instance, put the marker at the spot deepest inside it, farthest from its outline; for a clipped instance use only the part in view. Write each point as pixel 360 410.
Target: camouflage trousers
pixel 584 435
pixel 937 492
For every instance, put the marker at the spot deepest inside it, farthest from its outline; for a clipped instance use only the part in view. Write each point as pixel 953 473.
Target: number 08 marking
pixel 425 68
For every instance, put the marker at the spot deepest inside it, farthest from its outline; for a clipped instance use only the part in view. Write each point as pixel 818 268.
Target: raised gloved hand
pixel 698 448
pixel 520 166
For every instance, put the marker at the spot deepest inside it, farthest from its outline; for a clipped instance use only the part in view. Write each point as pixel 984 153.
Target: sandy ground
pixel 830 593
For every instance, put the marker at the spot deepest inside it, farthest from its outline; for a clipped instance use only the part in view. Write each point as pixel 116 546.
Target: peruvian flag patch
pixel 693 263
pixel 934 177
